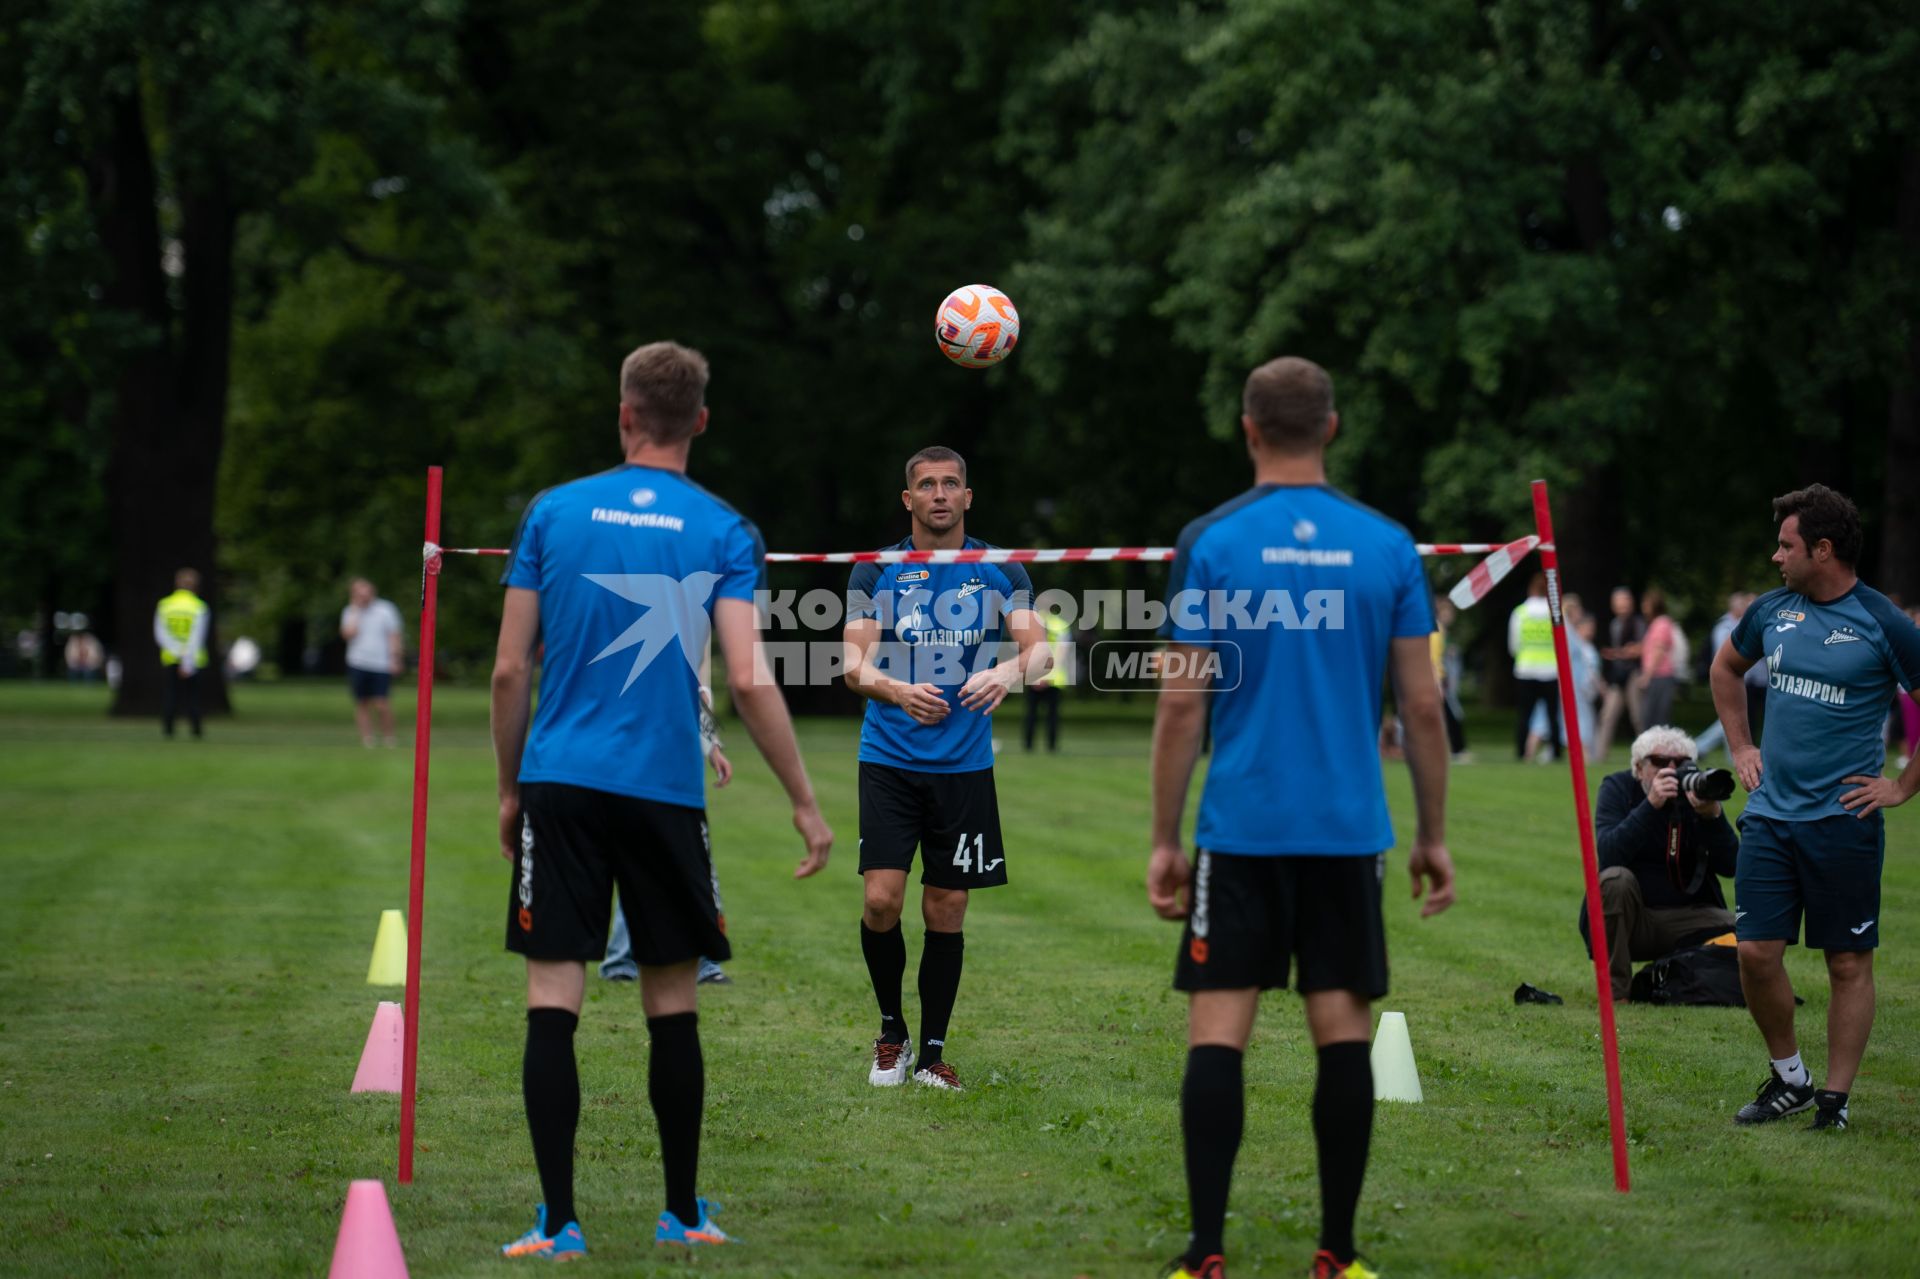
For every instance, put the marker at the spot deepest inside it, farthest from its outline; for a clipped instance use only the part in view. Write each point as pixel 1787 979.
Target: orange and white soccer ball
pixel 976 326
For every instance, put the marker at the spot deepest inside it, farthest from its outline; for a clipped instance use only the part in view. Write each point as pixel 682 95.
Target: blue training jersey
pixel 1832 671
pixel 934 621
pixel 1299 590
pixel 628 564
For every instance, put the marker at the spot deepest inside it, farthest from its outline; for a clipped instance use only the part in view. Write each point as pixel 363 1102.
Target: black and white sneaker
pixel 1830 1111
pixel 1776 1100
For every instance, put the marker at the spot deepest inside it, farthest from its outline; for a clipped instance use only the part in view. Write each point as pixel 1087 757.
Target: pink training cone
pixel 380 1060
pixel 368 1246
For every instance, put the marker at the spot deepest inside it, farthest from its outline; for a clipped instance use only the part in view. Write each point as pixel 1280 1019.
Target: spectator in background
pixel 1723 628
pixel 1716 737
pixel 1535 673
pixel 372 629
pixel 1662 657
pixel 180 629
pixel 1045 696
pixel 1446 669
pixel 1620 668
pixel 1647 913
pixel 1574 613
pixel 84 657
pixel 1586 680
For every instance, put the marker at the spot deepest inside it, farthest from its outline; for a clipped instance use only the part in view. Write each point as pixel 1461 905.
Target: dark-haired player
pixel 919 637
pixel 1811 836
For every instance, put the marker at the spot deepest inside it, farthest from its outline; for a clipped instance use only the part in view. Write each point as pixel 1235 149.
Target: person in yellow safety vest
pixel 1046 695
pixel 1536 676
pixel 180 629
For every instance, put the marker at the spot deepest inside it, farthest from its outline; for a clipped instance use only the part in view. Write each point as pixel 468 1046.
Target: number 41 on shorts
pixel 971 857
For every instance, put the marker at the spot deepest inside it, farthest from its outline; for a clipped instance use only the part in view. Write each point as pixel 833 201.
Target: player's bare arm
pixel 763 709
pixel 1418 696
pixel 924 702
pixel 512 705
pixel 1179 722
pixel 986 689
pixel 710 727
pixel 1730 701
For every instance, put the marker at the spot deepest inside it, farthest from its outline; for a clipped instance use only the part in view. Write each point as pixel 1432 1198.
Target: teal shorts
pixel 1828 870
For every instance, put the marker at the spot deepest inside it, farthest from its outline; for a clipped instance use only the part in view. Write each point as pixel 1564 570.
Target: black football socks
pixel 886 955
pixel 550 1082
pixel 1212 1114
pixel 677 1086
pixel 940 961
pixel 1342 1128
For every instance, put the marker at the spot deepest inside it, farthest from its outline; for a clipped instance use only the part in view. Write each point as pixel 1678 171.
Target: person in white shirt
pixel 373 632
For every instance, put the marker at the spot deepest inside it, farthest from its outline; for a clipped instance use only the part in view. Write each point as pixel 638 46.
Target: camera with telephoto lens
pixel 1703 785
pixel 1686 868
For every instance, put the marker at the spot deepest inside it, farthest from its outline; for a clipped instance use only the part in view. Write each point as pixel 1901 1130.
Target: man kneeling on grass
pixel 1663 850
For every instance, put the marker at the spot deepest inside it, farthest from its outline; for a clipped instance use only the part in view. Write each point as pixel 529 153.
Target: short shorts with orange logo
pixel 577 843
pixel 1253 917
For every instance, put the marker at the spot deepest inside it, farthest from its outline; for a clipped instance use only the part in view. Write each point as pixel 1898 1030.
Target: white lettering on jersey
pixel 1316 557
pixel 639 519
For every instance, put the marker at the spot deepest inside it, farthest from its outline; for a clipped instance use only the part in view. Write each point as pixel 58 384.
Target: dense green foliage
pixel 1666 255
pixel 184 1001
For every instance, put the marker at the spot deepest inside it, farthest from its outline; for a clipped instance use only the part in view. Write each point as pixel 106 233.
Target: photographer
pixel 1664 844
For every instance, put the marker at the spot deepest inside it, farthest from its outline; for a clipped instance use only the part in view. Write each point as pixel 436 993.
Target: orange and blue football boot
pixel 671 1230
pixel 568 1244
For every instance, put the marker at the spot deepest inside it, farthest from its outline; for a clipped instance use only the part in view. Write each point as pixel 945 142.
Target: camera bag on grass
pixel 1707 975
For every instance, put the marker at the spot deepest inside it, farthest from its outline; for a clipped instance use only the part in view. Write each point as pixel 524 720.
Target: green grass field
pixel 182 1003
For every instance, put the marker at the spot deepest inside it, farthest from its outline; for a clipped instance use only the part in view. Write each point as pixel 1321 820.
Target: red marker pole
pixel 417 878
pixel 1583 814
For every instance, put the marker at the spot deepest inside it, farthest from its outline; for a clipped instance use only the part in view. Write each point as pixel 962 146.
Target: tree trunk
pixel 1899 570
pixel 164 434
pixel 1589 537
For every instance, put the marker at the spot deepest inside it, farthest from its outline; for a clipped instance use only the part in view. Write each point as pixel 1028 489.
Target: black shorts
pixel 953 818
pixel 1252 915
pixel 577 843
pixel 1827 869
pixel 367 685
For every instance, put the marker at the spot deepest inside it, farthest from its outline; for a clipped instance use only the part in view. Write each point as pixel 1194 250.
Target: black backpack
pixel 1697 975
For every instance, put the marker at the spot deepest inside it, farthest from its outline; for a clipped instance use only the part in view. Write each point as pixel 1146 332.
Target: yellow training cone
pixel 389 966
pixel 1395 1078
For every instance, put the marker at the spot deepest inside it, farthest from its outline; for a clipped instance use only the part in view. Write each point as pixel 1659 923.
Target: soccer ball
pixel 976 326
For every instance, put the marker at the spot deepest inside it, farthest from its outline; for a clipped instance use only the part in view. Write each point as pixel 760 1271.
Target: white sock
pixel 1793 1070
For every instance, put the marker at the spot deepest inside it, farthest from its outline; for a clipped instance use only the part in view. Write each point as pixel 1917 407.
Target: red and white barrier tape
pixel 1064 555
pixel 1500 561
pixel 1482 578
pixel 1021 555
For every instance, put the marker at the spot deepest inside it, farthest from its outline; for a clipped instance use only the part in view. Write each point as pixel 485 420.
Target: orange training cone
pixel 368 1246
pixel 380 1060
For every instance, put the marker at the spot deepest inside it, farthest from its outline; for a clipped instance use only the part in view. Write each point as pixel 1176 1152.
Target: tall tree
pixel 1645 250
pixel 177 118
pixel 171 128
